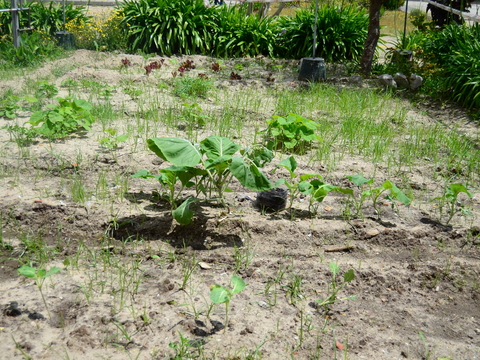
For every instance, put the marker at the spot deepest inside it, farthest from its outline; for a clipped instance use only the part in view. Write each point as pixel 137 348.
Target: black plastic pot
pixel 312 69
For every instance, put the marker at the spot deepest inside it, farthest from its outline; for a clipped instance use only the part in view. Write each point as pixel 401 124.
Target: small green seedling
pixel 45 90
pixel 222 295
pixel 309 184
pixel 335 287
pixel 113 140
pixel 449 201
pixel 192 114
pixel 39 275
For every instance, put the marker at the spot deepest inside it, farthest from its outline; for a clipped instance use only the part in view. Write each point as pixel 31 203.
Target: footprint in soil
pixel 13 310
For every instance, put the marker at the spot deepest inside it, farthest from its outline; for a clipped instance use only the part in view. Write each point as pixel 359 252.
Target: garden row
pixel 209 166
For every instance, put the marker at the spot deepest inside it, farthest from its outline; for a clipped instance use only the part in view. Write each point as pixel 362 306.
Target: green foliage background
pixel 188 27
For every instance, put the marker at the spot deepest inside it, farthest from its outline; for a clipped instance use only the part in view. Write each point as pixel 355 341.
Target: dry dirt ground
pixel 124 260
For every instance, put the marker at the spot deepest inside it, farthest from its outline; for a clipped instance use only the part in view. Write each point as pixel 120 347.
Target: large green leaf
pixel 179 152
pixel 349 276
pixel 290 164
pixel 142 174
pixel 27 271
pixel 217 146
pixel 53 270
pixel 249 176
pixel 396 192
pixel 454 189
pixel 183 214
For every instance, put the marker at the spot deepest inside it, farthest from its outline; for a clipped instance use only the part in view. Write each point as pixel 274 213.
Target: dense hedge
pixel 186 26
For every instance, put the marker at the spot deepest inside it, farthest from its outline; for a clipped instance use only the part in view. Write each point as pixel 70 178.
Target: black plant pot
pixel 312 69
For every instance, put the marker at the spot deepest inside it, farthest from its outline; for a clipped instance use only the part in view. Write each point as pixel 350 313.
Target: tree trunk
pixel 372 37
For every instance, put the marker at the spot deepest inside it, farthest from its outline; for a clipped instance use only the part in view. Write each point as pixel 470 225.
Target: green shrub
pixel 48 18
pixel 34 48
pixel 237 34
pixel 341 33
pixel 45 18
pixel 169 26
pixel 455 50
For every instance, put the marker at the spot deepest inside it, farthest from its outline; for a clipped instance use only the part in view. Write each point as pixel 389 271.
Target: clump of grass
pixel 187 86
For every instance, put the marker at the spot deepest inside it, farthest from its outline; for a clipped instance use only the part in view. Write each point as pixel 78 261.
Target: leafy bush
pixel 341 33
pixel 63 119
pixel 455 50
pixel 48 18
pixel 106 32
pixel 169 26
pixel 293 133
pixel 238 34
pixel 34 48
pixel 45 18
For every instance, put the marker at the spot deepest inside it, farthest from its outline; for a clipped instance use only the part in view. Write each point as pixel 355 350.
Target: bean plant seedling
pixel 334 288
pixel 309 184
pixel 449 201
pixel 375 193
pixel 112 141
pixel 39 275
pixel 222 295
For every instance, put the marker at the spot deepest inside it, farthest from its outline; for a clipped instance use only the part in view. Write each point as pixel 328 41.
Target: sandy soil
pixel 120 296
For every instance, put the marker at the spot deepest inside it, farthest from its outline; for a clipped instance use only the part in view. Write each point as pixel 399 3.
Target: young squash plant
pixel 61 120
pixel 292 133
pixel 210 166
